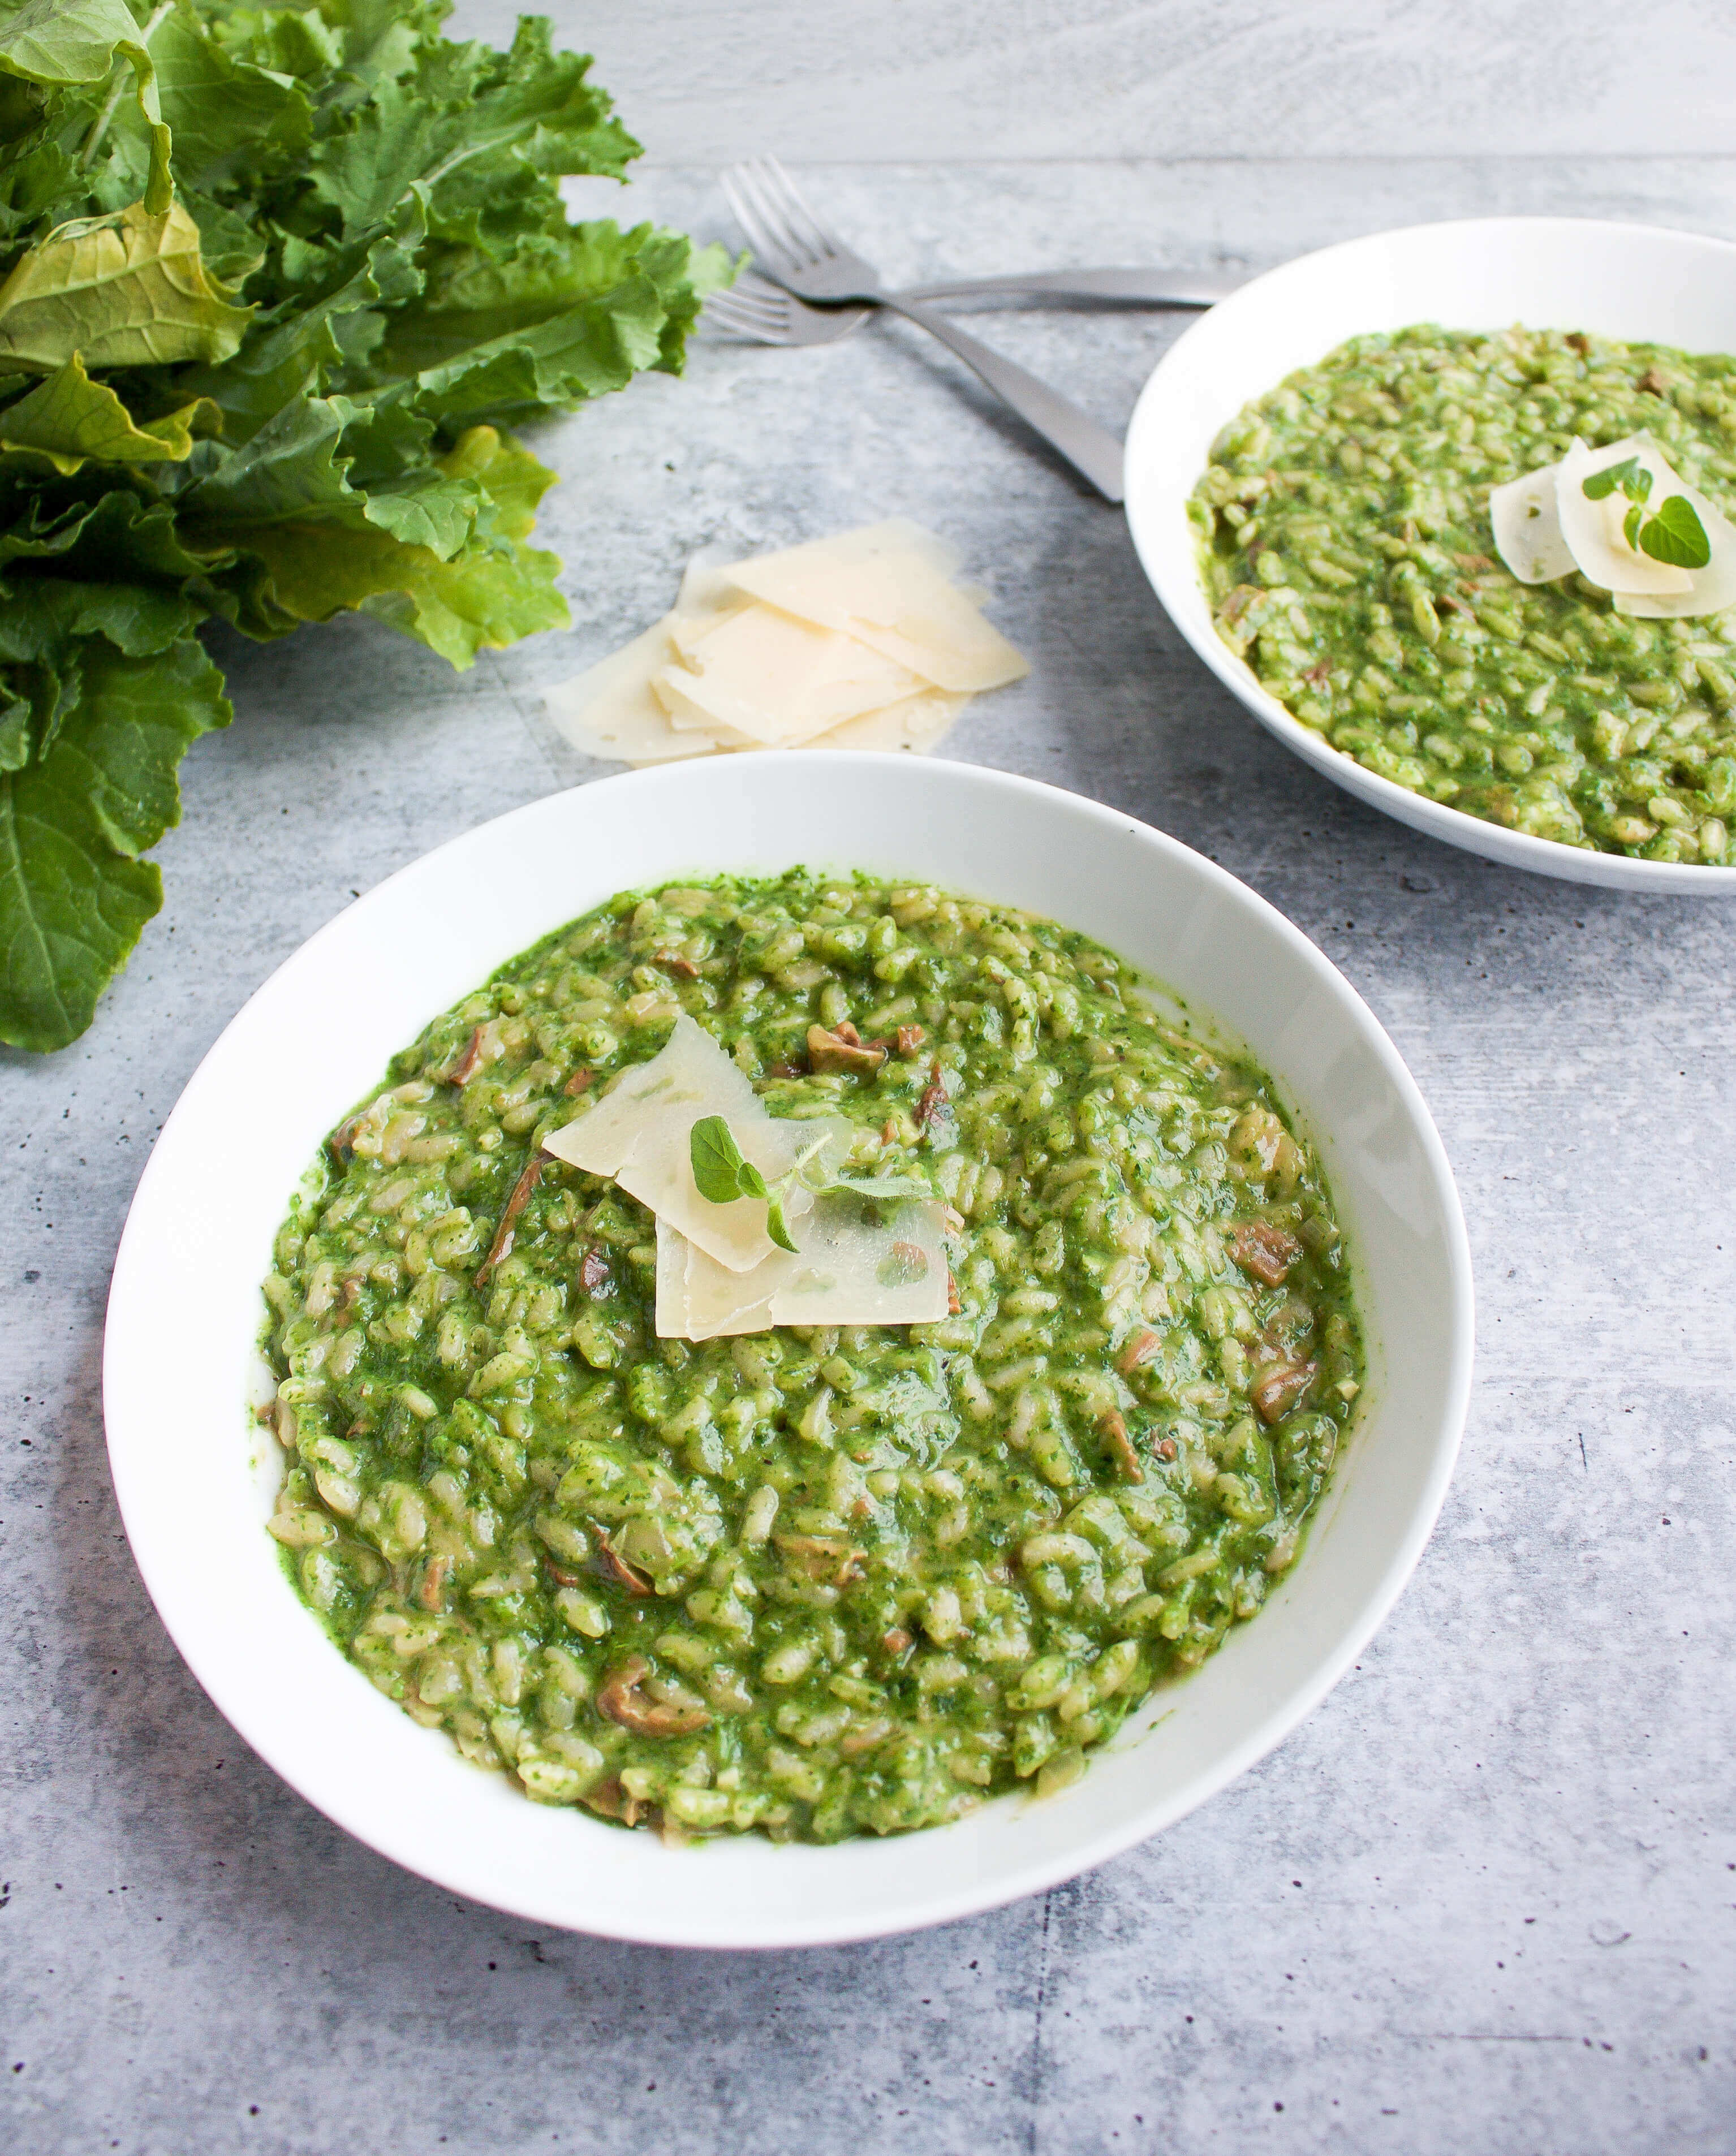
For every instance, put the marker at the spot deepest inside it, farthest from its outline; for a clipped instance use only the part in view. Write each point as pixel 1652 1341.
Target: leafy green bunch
pixel 273 281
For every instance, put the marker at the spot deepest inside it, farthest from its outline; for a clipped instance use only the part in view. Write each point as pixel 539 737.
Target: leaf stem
pixel 99 125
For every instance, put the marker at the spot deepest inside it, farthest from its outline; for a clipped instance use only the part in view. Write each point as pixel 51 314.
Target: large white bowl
pixel 193 1474
pixel 1618 280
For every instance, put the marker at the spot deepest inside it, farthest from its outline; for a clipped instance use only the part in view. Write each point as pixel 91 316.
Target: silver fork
pixel 797 250
pixel 755 308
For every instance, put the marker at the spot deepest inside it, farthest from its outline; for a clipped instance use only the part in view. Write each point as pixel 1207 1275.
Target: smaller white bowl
pixel 1629 281
pixel 194 1476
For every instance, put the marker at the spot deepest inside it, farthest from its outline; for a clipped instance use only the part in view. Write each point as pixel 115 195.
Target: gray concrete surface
pixel 1481 1902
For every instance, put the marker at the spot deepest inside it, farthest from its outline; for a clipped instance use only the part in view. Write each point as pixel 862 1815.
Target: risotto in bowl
pixel 1337 481
pixel 799 1381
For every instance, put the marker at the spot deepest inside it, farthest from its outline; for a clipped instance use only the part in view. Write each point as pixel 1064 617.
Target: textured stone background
pixel 1483 1901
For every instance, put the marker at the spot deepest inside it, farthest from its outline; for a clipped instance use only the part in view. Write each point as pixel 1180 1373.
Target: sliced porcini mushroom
pixel 675 963
pixel 593 1270
pixel 1265 1250
pixel 622 1699
pixel 910 1038
pixel 608 1561
pixel 1138 1352
pixel 935 1104
pixel 341 1143
pixel 1114 1429
pixel 1279 1389
pixel 843 1050
pixel 468 1064
pixel 432 1592
pixel 611 1801
pixel 823 1557
pixel 579 1082
pixel 502 1247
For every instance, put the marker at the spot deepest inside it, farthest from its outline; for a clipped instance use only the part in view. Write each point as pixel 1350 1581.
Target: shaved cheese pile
pixel 859 641
pixel 718 1271
pixel 1548 524
pixel 858 1265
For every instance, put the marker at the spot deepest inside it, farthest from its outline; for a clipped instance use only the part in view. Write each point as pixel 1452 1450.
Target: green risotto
pixel 1348 555
pixel 811 1581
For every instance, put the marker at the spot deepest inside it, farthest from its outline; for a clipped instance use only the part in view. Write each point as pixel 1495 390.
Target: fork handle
pixel 1090 449
pixel 1151 288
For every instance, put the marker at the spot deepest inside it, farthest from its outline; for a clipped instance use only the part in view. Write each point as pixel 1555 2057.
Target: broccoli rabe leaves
pixel 273 283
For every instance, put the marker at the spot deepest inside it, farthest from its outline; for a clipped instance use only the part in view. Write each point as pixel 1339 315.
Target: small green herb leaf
pixel 883 1189
pixel 717 1162
pixel 1630 524
pixel 776 1225
pixel 1603 484
pixel 1676 534
pixel 751 1182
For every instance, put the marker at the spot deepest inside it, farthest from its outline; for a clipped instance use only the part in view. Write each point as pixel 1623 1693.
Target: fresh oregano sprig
pixel 722 1174
pixel 1674 534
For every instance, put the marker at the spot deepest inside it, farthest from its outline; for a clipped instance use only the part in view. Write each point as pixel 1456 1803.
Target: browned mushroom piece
pixel 1239 601
pixel 432 1594
pixel 468 1064
pixel 934 1103
pixel 843 1050
pixel 1654 382
pixel 502 1247
pixel 673 962
pixel 340 1144
pixel 593 1270
pixel 1114 1430
pixel 910 1038
pixel 579 1082
pixel 1267 1251
pixel 823 1557
pixel 622 1701
pixel 897 1641
pixel 1279 1389
pixel 1320 673
pixel 1578 340
pixel 1138 1351
pixel 1473 565
pixel 612 1802
pixel 560 1575
pixel 954 1308
pixel 1166 1448
pixel 615 1568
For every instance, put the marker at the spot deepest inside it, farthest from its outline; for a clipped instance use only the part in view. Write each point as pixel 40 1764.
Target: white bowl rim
pixel 1145 510
pixel 352 1807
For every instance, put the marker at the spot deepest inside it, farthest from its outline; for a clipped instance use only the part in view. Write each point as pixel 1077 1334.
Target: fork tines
pixel 763 313
pixel 774 215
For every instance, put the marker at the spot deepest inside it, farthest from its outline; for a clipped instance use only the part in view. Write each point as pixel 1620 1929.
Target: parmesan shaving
pixel 1545 525
pixel 857 1265
pixel 640 1133
pixel 1528 528
pixel 893 599
pixel 858 641
pixel 779 680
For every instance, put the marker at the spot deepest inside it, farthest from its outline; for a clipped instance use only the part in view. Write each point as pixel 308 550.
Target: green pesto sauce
pixel 1348 557
pixel 810 1582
